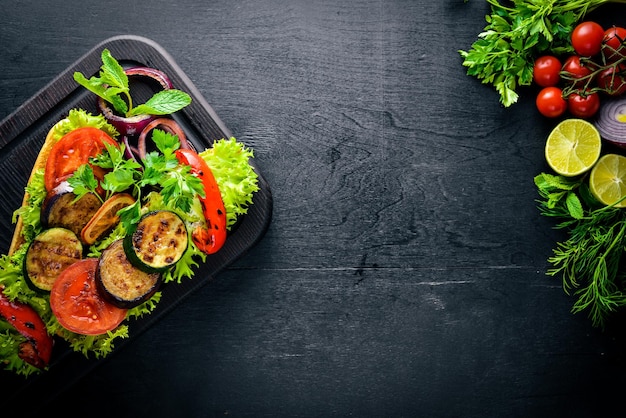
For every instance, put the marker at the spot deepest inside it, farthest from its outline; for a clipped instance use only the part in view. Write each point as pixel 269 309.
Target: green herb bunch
pixel 590 259
pixel 112 85
pixel 504 53
pixel 177 184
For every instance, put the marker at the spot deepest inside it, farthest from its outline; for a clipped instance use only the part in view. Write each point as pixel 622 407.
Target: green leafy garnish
pixel 589 259
pixel 112 85
pixel 504 53
pixel 237 181
pixel 176 183
pixel 162 103
pixel 78 118
pixel 83 181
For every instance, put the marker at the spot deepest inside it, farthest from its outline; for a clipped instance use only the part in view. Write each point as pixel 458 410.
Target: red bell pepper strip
pixel 37 348
pixel 210 239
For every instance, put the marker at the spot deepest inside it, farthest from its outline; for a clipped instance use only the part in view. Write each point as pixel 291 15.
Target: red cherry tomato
pixel 77 304
pixel 574 69
pixel 550 102
pixel 546 71
pixel 587 38
pixel 583 106
pixel 613 80
pixel 614 46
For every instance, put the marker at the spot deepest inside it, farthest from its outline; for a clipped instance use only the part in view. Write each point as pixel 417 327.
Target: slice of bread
pixel 40 162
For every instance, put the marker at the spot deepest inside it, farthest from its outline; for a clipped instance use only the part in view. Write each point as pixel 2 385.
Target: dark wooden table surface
pixel 403 273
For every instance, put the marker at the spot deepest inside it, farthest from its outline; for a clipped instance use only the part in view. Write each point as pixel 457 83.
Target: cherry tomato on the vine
pixel 587 38
pixel 583 106
pixel 614 47
pixel 575 69
pixel 613 80
pixel 546 71
pixel 550 102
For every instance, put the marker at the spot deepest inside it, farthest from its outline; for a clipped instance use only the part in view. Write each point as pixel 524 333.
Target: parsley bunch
pixel 589 260
pixel 504 53
pixel 160 168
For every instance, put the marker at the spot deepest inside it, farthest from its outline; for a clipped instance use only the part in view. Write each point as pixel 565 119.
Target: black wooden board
pixel 403 272
pixel 21 135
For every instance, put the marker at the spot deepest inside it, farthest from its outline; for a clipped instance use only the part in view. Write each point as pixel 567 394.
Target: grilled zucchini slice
pixel 51 252
pixel 121 283
pixel 158 242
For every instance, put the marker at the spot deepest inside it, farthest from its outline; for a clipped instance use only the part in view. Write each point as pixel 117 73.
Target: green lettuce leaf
pixel 78 118
pixel 229 161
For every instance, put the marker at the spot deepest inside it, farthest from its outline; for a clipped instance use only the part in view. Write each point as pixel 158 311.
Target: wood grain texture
pixel 403 272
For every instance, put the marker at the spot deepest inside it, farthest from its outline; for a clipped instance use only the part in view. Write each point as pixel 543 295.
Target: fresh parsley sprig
pixel 160 169
pixel 504 53
pixel 112 85
pixel 589 259
pixel 178 185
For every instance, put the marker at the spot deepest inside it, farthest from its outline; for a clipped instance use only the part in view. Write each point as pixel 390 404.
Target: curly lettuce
pixel 78 118
pixel 236 178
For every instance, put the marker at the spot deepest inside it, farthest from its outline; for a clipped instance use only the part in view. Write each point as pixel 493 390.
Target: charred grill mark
pixel 160 239
pixel 28 352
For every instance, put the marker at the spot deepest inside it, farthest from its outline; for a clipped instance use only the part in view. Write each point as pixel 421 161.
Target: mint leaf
pixel 111 83
pixel 118 103
pixel 554 198
pixel 550 182
pixel 112 86
pixel 112 72
pixel 574 206
pixel 163 102
pixel 93 84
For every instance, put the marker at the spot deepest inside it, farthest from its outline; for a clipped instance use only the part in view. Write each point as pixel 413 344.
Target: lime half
pixel 573 147
pixel 607 180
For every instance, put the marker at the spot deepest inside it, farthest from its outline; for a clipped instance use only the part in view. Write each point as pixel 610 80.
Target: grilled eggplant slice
pixel 51 252
pixel 158 242
pixel 121 283
pixel 61 209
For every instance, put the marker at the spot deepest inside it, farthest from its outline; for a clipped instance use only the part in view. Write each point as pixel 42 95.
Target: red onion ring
pixel 611 122
pixel 125 126
pixel 167 125
pixel 135 124
pixel 130 152
pixel 153 73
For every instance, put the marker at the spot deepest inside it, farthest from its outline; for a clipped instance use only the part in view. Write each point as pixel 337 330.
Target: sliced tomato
pixel 209 240
pixel 78 306
pixel 72 151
